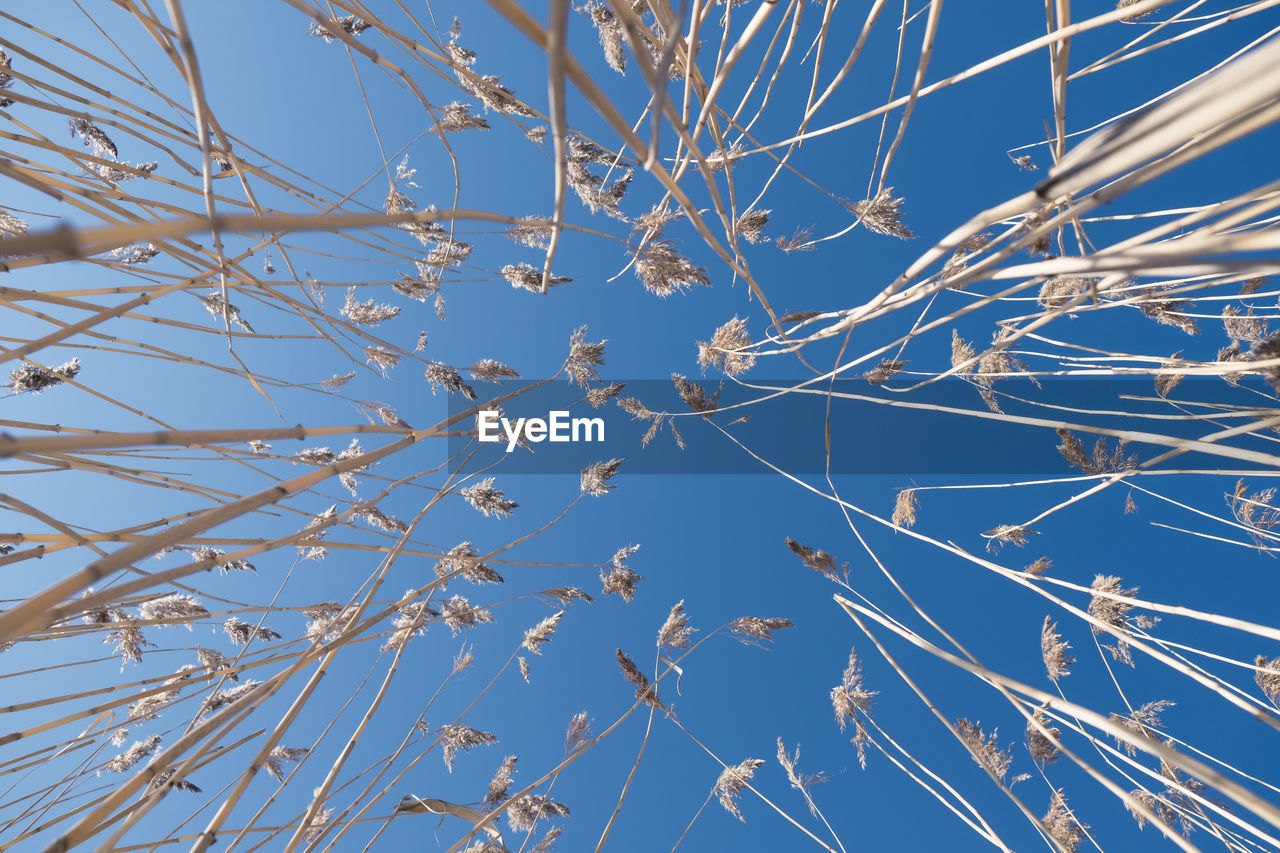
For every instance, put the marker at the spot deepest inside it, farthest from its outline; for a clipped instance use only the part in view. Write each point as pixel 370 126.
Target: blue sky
pixel 717 542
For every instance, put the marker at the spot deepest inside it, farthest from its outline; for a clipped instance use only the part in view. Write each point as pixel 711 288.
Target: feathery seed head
pixel 985 748
pixel 731 782
pixel 455 737
pixel 675 632
pixel 535 637
pixel 727 349
pixel 1054 650
pixel 488 500
pixel 881 214
pixel 594 479
pixel 460 613
pixel 35 379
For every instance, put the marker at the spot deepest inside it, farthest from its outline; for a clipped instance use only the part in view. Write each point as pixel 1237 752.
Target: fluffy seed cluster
pixel 1115 613
pixel 317 823
pixel 1173 805
pixel 1166 311
pixel 166 779
pixel 594 479
pixel 93 137
pixel 173 608
pixel 326 620
pixel 368 312
pixel 348 477
pixel 486 499
pixel 1267 677
pixel 241 633
pixel 566 594
pixel 1268 350
pixel 851 697
pixel 462 558
pixel 1062 825
pixel 309 548
pixel 884 371
pixel 500 783
pixel 215 663
pixel 147 707
pixel 455 737
pixel 1063 290
pixel 539 634
pixel 223 310
pixel 534 232
pixel 488 370
pixel 695 397
pixel 6 79
pixel 633 675
pixel 455 117
pixel 126 636
pixel 1100 461
pixel 1007 534
pixel 802 782
pixel 397 203
pixel 216 556
pixel 755 628
pixel 523 813
pixel 349 24
pixel 597 397
pixel 750 225
pixel 35 379
pixel 1142 723
pixel 1166 382
pixel 592 189
pixel 959 259
pixel 621 578
pixel 379 519
pixel 131 756
pixel 724 158
pixel 418 289
pixel 904 508
pixel 578 733
pixel 137 253
pixel 441 376
pixel 410 621
pixel 277 757
pixel 10 225
pixel 664 271
pixel 1042 739
pixel 527 277
pixel 223 698
pixel 881 214
pixel 487 88
pixel 122 172
pixel 1054 650
pixel 1039 567
pixel 731 782
pixel 610 32
pixel 1256 512
pixel 818 561
pixel 985 748
pixel 799 241
pixel 459 614
pixel 728 348
pixel 1125 4
pixel 675 632
pixel 584 359
pixel 1244 327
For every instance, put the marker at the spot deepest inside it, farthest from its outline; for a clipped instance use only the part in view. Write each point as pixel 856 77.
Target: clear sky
pixel 716 541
